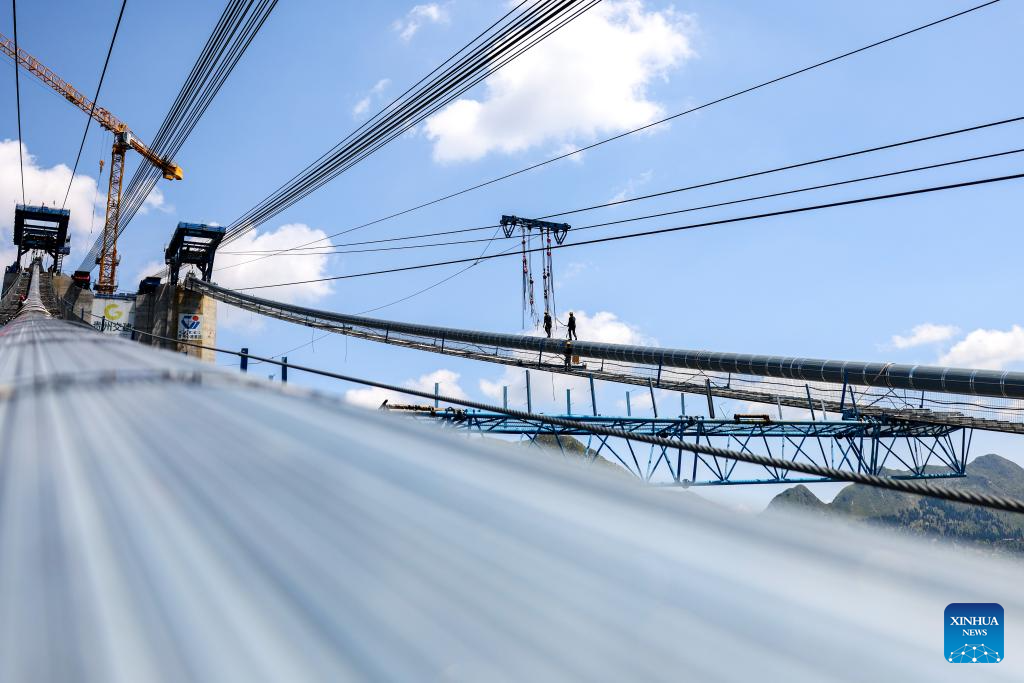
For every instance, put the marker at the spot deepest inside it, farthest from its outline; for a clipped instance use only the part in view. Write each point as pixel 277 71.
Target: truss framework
pixel 893 448
pixel 815 397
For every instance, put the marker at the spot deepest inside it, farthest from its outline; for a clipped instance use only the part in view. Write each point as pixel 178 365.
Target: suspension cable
pixel 233 33
pixel 685 188
pixel 95 99
pixel 537 22
pixel 578 229
pixel 17 98
pixel 666 119
pixel 659 231
pixel 901 485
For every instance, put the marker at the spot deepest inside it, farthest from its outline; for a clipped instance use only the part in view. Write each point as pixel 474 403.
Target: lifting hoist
pixel 545 232
pixel 124 139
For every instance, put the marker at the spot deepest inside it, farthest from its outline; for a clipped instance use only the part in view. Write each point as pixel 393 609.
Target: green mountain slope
pixel 798 497
pixel 929 517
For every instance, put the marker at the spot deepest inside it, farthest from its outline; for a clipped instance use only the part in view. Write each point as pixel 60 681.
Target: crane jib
pixel 124 139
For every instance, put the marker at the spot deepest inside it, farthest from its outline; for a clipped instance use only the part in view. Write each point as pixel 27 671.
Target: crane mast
pixel 124 139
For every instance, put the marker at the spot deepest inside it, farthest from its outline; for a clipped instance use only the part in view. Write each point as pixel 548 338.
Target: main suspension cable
pixel 524 32
pixel 235 30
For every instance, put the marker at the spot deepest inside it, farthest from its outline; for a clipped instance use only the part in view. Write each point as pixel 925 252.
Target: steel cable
pixel 662 214
pixel 494 52
pixel 17 98
pixel 685 188
pixel 659 231
pixel 901 485
pixel 667 119
pixel 234 32
pixel 398 111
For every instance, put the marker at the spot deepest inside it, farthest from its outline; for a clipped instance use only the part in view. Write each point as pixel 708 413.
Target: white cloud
pixel 47 186
pixel 237 270
pixel 927 333
pixel 363 105
pixel 548 389
pixel 372 397
pixel 155 201
pixel 772 411
pixel 571 271
pixel 640 402
pixel 151 268
pixel 587 79
pixel 7 255
pixel 987 349
pixel 246 269
pixel 605 327
pixel 431 13
pixel 570 149
pixel 238 319
pixel 632 185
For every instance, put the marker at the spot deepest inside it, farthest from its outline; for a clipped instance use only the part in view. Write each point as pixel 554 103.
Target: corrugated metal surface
pixel 162 520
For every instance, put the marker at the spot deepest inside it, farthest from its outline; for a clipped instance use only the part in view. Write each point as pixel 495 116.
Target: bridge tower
pixel 171 316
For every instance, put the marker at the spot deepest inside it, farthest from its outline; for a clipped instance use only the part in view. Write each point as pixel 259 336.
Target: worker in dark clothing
pixel 547 323
pixel 572 326
pixel 568 354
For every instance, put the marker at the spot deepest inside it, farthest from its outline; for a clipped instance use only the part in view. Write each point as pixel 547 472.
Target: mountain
pixel 928 517
pixel 574 449
pixel 798 497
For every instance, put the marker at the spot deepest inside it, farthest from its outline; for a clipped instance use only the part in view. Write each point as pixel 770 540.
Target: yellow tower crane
pixel 124 139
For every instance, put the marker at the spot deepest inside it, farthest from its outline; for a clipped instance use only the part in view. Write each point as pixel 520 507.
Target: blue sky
pixel 836 284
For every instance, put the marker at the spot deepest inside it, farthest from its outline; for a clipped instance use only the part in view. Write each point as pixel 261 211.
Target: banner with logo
pixel 190 327
pixel 113 316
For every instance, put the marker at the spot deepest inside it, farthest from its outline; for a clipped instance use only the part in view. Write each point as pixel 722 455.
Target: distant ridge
pixel 929 517
pixel 797 497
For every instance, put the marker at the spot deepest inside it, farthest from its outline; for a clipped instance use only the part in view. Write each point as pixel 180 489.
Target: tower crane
pixel 124 139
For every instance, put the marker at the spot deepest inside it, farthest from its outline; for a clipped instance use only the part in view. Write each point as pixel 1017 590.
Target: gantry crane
pixel 124 140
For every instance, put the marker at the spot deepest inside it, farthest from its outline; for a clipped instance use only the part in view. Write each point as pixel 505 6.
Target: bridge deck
pixel 161 520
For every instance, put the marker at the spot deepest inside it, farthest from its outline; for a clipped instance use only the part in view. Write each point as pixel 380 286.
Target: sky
pixel 924 279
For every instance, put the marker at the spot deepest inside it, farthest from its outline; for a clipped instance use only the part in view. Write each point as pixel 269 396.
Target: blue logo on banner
pixel 974 633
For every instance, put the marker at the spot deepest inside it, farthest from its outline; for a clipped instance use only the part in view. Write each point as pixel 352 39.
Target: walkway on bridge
pixel 978 399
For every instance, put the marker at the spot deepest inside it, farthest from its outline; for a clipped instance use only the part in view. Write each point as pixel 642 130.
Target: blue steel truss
pixel 895 448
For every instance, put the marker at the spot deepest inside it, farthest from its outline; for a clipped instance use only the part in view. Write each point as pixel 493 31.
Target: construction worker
pixel 547 323
pixel 568 354
pixel 572 326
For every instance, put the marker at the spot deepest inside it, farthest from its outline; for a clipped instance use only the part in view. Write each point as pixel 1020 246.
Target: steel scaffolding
pixel 884 447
